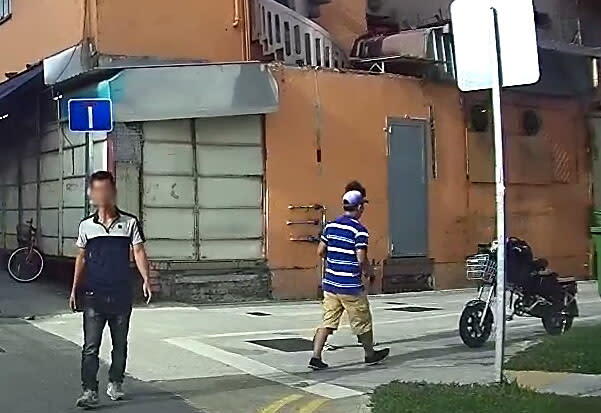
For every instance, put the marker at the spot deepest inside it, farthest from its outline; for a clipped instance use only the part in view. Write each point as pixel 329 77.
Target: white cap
pixel 354 198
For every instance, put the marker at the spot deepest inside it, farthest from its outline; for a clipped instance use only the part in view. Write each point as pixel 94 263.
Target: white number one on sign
pixel 90 117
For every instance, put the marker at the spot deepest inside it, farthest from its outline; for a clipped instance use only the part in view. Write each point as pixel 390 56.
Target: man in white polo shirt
pixel 103 273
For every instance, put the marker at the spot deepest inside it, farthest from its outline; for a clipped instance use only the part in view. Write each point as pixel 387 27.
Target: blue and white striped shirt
pixel 343 237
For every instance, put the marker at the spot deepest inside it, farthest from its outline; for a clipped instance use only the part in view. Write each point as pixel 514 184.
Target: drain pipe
pixel 242 7
pixel 247 29
pixel 237 19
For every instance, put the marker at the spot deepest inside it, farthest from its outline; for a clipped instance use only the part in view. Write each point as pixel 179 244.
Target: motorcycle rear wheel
pixel 558 323
pixel 472 334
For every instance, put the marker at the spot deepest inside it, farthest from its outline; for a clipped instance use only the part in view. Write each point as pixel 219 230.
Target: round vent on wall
pixel 479 118
pixel 531 123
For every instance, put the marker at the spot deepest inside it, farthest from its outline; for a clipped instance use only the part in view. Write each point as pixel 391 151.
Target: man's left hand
pixel 369 272
pixel 147 291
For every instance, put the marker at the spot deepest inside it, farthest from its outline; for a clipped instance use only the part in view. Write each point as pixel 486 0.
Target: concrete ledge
pixel 222 288
pixel 207 279
pixel 569 384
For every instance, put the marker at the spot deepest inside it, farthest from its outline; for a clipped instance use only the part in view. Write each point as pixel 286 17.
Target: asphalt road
pixel 27 300
pixel 40 371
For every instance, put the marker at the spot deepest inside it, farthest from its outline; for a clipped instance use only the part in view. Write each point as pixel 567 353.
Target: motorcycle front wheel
pixel 472 333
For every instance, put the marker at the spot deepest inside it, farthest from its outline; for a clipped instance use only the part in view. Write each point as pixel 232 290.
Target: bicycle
pixel 26 262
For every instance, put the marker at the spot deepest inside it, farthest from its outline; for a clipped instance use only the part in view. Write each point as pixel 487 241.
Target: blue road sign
pixel 90 115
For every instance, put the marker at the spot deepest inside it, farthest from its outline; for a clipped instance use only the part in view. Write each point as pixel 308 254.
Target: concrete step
pixel 222 288
pixel 407 274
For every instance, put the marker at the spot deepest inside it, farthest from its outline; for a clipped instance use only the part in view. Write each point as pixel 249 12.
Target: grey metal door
pixel 408 189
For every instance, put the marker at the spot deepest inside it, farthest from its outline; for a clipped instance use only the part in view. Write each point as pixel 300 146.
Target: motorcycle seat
pixel 566 280
pixel 540 264
pixel 546 273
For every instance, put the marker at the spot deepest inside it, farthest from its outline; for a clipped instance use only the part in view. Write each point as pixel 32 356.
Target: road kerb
pixel 536 380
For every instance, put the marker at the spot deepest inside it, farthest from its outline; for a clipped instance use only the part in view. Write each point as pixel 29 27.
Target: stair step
pixel 207 279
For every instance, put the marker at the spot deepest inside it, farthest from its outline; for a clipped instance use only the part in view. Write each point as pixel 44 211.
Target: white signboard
pixel 474 38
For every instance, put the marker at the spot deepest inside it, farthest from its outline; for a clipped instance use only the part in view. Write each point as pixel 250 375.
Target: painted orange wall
pixel 192 30
pixel 345 20
pixel 345 115
pixel 448 236
pixel 552 217
pixel 37 29
pixel 186 29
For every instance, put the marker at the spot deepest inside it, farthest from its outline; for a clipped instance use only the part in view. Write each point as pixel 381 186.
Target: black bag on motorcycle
pixel 520 271
pixel 519 257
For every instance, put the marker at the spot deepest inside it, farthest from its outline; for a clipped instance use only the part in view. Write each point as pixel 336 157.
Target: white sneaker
pixel 115 391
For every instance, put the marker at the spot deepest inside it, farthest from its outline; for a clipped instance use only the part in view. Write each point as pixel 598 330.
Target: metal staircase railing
pixel 293 38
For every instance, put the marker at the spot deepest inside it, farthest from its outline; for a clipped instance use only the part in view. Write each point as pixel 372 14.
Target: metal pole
pixel 89 142
pixel 497 82
pixel 61 161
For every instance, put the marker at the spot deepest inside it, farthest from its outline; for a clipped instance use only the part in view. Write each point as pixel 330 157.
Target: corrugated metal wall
pixel 75 153
pixel 28 181
pixel 45 179
pixel 203 188
pixel 10 191
pixel 50 194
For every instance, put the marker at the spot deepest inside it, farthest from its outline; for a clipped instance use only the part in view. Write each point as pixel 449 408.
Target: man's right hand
pixel 72 302
pixel 369 271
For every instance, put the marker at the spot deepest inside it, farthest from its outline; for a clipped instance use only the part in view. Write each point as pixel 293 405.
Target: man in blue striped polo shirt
pixel 344 246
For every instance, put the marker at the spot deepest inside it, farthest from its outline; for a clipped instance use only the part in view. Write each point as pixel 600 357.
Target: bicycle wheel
pixel 25 264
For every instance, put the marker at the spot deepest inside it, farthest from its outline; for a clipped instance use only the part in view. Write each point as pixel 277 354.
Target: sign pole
pixel 497 82
pixel 495 47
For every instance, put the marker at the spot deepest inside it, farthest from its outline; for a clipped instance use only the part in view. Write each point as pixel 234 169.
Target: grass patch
pixel 399 397
pixel 578 351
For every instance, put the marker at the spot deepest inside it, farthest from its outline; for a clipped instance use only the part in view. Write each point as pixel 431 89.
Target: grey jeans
pixel 97 313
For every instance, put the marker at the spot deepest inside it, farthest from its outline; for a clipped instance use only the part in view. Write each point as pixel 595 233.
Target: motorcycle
pixel 533 291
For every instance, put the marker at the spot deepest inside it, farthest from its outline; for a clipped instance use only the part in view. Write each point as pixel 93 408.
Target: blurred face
pixel 103 193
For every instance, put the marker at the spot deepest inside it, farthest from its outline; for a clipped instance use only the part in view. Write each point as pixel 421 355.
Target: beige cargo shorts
pixel 357 307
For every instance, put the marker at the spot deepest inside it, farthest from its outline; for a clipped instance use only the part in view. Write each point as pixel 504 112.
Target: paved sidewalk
pixel 249 357
pixel 252 357
pixel 569 384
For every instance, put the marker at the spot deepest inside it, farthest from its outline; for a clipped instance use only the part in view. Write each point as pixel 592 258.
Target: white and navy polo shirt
pixel 107 269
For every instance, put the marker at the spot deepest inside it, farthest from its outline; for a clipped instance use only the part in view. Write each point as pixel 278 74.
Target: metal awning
pixel 27 80
pixel 182 91
pixel 193 91
pixel 569 48
pixel 146 88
